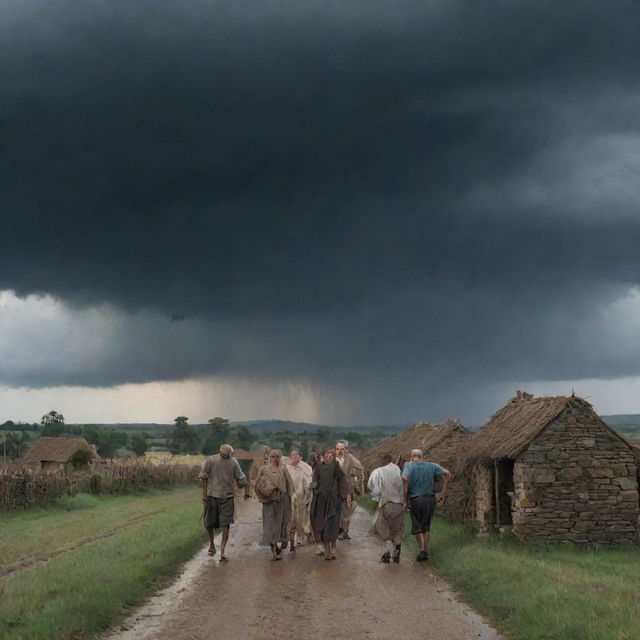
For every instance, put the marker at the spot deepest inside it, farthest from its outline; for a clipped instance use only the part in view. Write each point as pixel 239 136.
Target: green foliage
pixel 184 438
pixel 107 441
pixel 52 424
pixel 218 434
pixel 97 483
pixel 12 445
pixel 139 443
pixel 81 458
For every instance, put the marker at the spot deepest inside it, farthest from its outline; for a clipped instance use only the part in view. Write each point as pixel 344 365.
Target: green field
pixel 79 566
pixel 540 591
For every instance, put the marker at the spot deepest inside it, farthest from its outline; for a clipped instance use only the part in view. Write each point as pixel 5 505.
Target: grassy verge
pixel 540 591
pixel 109 553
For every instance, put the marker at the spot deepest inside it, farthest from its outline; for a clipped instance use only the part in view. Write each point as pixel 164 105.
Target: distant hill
pixel 258 426
pixel 628 424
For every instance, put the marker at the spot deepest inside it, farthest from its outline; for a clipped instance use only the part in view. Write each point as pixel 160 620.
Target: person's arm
pixel 241 478
pixel 374 486
pixel 405 485
pixel 443 494
pixel 344 486
pixel 204 476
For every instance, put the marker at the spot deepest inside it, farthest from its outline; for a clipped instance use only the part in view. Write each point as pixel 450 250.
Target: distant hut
pixel 441 443
pixel 54 453
pixel 551 468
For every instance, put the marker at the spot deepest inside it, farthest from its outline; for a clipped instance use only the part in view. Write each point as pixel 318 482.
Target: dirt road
pixel 303 597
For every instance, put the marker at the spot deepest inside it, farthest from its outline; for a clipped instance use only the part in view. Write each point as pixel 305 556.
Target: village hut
pixel 551 468
pixel 53 453
pixel 441 443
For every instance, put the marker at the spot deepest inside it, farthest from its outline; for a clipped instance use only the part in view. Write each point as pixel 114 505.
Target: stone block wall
pixel 577 482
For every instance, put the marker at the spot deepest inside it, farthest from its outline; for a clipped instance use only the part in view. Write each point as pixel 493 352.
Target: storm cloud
pixel 409 200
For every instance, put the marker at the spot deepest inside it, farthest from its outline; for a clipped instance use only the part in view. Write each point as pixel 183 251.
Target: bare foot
pixel 223 558
pixel 212 551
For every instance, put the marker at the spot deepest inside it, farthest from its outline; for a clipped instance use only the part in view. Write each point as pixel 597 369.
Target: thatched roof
pixel 423 436
pixel 521 420
pixel 55 449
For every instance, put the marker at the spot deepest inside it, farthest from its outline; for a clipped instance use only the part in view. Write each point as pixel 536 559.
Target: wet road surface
pixel 304 597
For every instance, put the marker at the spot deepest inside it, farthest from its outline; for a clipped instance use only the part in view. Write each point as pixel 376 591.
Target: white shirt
pixel 385 485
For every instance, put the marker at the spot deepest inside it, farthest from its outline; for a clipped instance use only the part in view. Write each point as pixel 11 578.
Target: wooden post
pixel 496 485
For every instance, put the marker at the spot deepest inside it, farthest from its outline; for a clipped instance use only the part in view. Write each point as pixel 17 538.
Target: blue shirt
pixel 421 476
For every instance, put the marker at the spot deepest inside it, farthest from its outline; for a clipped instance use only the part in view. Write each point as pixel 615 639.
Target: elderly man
pixel 418 478
pixel 218 494
pixel 301 475
pixel 352 469
pixel 387 491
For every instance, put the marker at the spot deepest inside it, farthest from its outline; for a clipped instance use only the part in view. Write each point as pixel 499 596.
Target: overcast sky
pixel 345 212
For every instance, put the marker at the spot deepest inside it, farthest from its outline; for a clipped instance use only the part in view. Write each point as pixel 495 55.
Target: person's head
pixel 226 450
pixel 295 456
pixel 328 455
pixel 275 456
pixel 416 455
pixel 386 459
pixel 341 448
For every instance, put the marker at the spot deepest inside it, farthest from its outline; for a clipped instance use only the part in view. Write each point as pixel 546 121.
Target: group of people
pixel 313 503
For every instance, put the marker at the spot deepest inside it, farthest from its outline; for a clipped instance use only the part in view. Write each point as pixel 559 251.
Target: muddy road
pixel 304 597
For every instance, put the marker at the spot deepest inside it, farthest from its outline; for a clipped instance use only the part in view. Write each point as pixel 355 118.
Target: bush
pixel 81 458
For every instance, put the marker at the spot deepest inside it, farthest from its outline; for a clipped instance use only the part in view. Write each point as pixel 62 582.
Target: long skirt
pixel 325 517
pixel 389 524
pixel 275 520
pixel 300 516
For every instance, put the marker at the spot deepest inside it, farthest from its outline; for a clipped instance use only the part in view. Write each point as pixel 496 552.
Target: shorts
pixel 219 512
pixel 421 509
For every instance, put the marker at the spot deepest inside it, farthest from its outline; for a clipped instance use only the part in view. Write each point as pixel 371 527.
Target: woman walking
pixel 273 488
pixel 330 489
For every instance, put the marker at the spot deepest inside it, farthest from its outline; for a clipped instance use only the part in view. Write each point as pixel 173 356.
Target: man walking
pixel 352 469
pixel 387 491
pixel 218 494
pixel 418 478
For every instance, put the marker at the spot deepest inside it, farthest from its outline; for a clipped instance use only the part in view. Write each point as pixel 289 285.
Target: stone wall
pixel 576 482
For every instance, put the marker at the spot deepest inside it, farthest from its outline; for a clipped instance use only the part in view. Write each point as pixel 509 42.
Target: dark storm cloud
pixel 368 192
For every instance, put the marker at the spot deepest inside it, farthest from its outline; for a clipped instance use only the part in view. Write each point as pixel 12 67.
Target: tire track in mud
pixel 303 597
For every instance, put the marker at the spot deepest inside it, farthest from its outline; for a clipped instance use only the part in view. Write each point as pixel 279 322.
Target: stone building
pixel 552 469
pixel 441 443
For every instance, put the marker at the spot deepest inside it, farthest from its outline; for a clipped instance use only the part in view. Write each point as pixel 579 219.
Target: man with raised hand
pixel 218 494
pixel 418 478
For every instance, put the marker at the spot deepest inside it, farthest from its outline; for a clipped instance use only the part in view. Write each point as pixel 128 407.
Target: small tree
pixel 218 435
pixel 52 424
pixel 139 443
pixel 184 438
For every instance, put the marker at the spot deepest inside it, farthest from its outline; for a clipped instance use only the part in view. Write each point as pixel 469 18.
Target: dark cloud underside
pixel 362 189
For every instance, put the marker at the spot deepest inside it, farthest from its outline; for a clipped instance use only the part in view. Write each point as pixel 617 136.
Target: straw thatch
pixel 518 423
pixel 423 436
pixel 57 450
